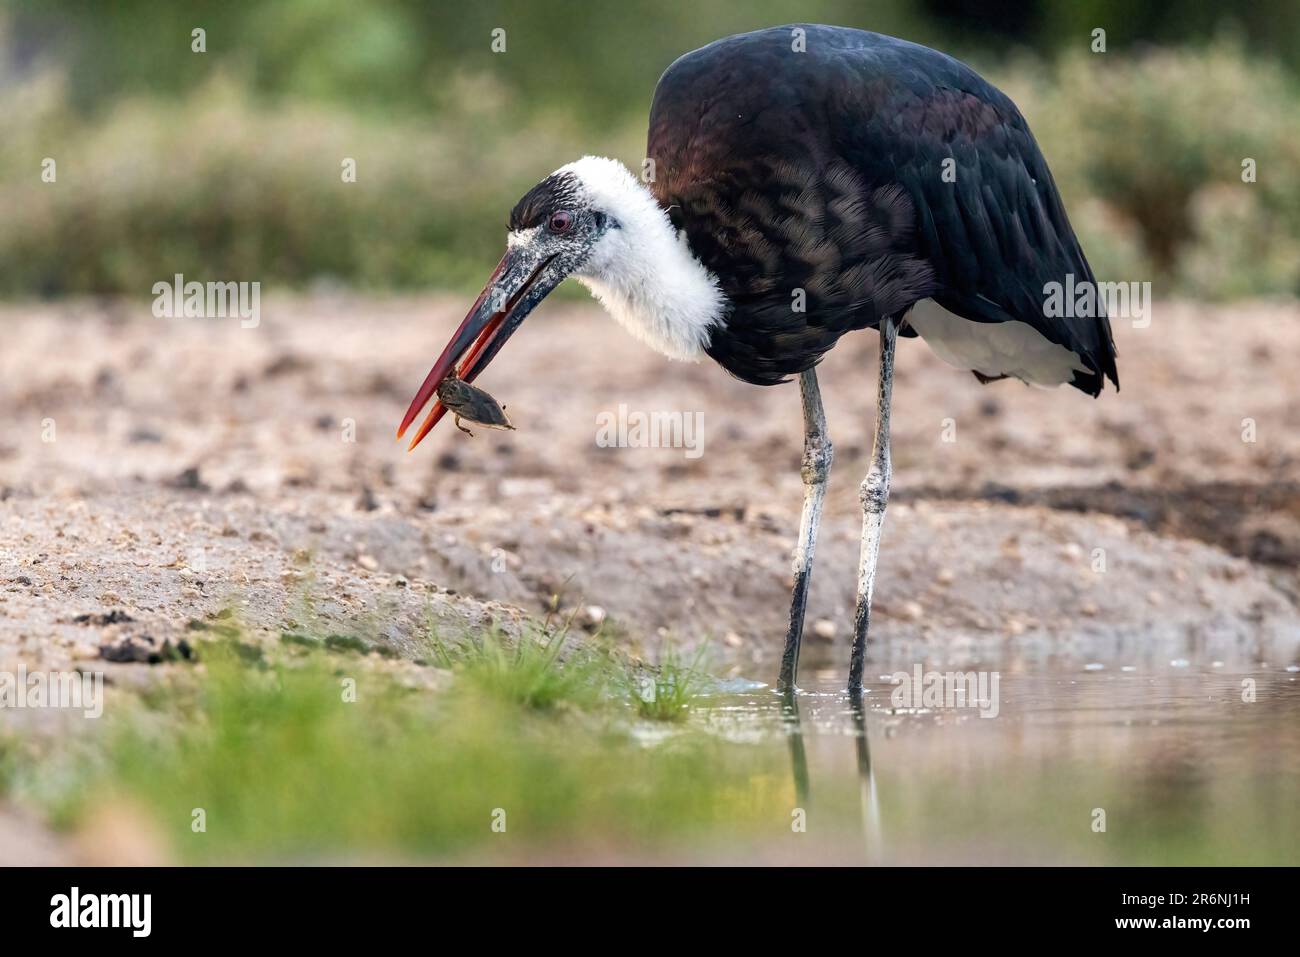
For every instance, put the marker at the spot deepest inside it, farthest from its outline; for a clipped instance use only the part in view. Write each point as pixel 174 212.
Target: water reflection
pixel 792 720
pixel 868 799
pixel 1191 763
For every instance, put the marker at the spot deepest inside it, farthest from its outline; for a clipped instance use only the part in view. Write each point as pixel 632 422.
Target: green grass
pixel 288 762
pixel 666 692
pixel 528 671
pixel 543 669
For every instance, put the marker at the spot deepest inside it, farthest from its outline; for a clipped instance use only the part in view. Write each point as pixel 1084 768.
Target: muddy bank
pixel 170 469
pixel 960 579
pixel 1256 521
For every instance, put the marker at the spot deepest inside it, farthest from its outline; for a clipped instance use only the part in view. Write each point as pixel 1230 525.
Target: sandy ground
pixel 157 474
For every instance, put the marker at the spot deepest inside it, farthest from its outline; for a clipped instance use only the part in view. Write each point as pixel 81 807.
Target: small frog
pixel 465 401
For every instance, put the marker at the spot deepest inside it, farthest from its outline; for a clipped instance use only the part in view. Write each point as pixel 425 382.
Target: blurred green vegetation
pixel 289 763
pixel 227 164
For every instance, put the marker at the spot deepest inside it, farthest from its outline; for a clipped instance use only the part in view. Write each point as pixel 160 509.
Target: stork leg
pixel 817 455
pixel 875 495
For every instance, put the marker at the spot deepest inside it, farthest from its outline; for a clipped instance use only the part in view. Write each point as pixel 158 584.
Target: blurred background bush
pixel 226 164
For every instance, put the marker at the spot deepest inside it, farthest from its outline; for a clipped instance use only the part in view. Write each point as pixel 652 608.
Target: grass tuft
pixel 666 692
pixel 528 669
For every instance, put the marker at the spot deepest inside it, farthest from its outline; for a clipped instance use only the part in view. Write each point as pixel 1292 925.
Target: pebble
pixel 824 628
pixel 367 562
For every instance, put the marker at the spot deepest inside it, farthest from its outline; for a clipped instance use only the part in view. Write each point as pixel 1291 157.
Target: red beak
pixel 520 281
pixel 470 332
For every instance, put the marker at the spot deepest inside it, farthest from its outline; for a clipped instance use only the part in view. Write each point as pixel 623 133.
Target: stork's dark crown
pixel 557 191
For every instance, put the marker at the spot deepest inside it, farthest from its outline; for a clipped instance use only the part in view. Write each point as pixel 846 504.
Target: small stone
pixel 189 479
pixel 732 640
pixel 946 576
pixel 1088 608
pixel 367 562
pixel 824 629
pixel 912 611
pixel 594 614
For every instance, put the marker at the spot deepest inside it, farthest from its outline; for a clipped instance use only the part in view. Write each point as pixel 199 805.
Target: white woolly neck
pixel 641 270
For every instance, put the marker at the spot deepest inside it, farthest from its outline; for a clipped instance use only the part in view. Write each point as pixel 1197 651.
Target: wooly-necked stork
pixel 805 182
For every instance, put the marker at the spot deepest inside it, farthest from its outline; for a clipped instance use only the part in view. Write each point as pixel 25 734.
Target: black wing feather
pixel 821 171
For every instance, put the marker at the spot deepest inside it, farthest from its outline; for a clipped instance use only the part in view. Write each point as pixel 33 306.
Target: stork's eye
pixel 561 221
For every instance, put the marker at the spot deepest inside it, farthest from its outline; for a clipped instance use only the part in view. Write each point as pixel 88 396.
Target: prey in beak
pixel 471 404
pixel 552 231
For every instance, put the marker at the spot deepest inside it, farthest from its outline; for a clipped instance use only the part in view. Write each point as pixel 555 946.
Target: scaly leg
pixel 817 455
pixel 875 495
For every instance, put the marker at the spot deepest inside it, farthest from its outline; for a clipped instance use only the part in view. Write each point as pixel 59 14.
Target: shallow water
pixel 1172 763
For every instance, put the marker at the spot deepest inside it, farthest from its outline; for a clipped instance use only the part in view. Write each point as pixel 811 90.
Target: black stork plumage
pixel 805 182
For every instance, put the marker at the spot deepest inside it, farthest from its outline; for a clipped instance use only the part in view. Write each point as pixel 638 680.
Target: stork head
pixel 593 220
